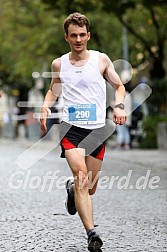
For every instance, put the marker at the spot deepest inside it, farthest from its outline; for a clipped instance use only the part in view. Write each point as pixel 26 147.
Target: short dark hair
pixel 76 18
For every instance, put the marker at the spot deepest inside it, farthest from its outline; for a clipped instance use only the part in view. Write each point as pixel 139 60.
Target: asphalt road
pixel 130 205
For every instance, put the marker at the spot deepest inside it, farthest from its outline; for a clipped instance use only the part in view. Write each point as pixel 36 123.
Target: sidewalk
pixel 128 217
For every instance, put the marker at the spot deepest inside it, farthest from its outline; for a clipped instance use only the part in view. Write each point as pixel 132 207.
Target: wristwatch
pixel 120 105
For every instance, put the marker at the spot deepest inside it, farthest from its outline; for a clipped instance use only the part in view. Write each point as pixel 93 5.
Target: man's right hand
pixel 45 112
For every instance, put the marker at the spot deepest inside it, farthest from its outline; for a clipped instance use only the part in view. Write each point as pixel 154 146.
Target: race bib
pixel 82 113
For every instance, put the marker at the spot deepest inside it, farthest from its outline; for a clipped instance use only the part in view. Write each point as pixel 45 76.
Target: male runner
pixel 82 75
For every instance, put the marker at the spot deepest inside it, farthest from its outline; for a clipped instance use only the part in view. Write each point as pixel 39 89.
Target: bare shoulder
pixel 56 64
pixel 105 63
pixel 105 60
pixel 104 57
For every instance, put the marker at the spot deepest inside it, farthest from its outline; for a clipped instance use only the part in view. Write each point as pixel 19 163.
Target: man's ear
pixel 88 36
pixel 66 37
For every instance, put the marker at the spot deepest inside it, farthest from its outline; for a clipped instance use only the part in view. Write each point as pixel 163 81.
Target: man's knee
pixel 81 180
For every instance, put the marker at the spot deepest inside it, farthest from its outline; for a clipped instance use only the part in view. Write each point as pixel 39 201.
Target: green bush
pixel 149 126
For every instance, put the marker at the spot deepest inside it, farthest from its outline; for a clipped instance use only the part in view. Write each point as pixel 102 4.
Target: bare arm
pixel 113 78
pixel 51 95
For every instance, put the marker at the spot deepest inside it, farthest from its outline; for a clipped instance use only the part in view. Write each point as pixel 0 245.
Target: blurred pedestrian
pixel 4 114
pixel 82 74
pixel 123 131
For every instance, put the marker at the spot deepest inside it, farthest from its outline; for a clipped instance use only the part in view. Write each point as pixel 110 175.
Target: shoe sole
pixel 73 212
pixel 95 244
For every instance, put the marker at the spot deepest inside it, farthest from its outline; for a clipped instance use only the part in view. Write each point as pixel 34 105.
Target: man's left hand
pixel 119 116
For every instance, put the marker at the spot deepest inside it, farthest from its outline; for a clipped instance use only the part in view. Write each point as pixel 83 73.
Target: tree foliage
pixel 31 33
pixel 144 20
pixel 31 36
pixel 26 35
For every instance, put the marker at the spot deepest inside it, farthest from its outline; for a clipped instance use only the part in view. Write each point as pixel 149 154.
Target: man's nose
pixel 78 38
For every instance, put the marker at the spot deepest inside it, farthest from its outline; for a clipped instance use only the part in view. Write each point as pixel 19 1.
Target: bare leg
pixel 93 167
pixel 76 160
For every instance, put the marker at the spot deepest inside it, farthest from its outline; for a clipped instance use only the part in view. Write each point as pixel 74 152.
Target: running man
pixel 81 76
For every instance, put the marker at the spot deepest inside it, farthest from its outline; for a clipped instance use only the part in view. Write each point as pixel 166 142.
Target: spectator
pixel 123 131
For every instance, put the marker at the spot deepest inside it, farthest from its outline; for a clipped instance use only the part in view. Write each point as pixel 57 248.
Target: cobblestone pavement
pixel 128 218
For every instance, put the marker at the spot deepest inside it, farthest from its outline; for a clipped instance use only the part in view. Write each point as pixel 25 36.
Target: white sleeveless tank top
pixel 84 93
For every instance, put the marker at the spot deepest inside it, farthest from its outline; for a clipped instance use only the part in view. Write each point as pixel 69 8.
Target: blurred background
pixel 32 36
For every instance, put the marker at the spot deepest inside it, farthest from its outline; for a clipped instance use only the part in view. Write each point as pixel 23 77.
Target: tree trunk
pixel 157 70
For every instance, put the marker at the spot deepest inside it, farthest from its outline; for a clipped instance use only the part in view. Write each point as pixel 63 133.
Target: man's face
pixel 77 37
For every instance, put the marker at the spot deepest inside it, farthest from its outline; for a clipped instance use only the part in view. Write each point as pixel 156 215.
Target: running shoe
pixel 70 201
pixel 94 243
